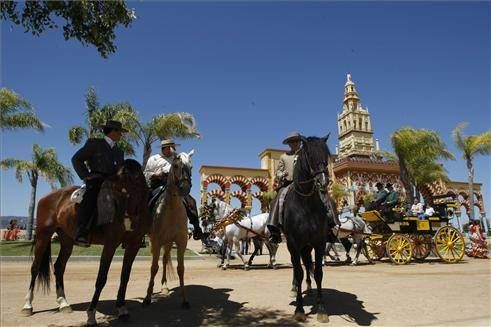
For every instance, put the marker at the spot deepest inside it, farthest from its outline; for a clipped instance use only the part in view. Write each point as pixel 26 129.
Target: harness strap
pixel 250 230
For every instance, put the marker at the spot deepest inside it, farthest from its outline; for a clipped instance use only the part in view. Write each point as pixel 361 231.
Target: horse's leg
pixel 104 265
pixel 307 261
pixel 181 248
pixel 154 269
pixel 298 273
pixel 228 253
pixel 321 310
pixel 358 241
pixel 130 252
pixel 256 250
pixel 347 246
pixel 66 247
pixel 40 265
pixel 165 259
pixel 237 246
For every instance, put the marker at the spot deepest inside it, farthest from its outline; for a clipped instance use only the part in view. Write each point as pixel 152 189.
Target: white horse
pixel 357 229
pixel 248 227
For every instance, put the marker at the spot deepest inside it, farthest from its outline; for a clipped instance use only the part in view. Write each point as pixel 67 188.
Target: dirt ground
pixel 418 294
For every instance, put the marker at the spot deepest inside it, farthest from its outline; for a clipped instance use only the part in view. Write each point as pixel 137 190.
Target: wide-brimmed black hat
pixel 115 125
pixel 379 184
pixel 292 137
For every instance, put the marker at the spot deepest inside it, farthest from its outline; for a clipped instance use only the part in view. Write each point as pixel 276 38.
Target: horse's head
pixel 129 187
pixel 180 173
pixel 315 159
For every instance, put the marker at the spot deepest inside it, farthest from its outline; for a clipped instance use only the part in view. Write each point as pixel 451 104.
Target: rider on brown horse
pixel 96 161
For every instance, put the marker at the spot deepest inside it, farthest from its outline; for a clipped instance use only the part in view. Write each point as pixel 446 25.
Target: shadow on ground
pixel 343 304
pixel 208 306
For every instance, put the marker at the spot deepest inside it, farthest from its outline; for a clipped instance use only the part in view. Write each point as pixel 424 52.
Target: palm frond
pixel 77 134
pixel 16 112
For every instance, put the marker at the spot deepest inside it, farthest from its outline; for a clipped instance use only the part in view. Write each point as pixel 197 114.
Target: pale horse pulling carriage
pixel 231 226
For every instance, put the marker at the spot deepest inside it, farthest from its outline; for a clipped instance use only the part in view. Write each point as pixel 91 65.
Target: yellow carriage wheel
pixel 449 244
pixel 422 246
pixel 399 249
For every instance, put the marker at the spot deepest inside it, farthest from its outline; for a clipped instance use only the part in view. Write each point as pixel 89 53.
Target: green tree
pixel 338 192
pixel 44 163
pixel 471 146
pixel 96 116
pixel 418 152
pixel 16 112
pixel 90 22
pixel 179 125
pixel 164 126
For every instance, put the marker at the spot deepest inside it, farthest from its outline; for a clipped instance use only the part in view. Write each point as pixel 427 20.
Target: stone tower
pixel 354 125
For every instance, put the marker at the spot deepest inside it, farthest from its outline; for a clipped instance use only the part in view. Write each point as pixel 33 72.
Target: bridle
pixel 313 173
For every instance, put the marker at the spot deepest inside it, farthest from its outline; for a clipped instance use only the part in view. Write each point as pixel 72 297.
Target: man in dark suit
pixel 97 160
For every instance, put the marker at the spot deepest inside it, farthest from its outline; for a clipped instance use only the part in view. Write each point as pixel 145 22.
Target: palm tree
pixel 338 192
pixel 16 112
pixel 471 146
pixel 96 116
pixel 44 163
pixel 417 151
pixel 163 126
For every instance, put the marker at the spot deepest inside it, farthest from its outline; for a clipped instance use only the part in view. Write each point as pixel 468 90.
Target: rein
pixel 310 180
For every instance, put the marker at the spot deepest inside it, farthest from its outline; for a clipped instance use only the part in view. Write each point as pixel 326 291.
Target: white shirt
pixel 109 141
pixel 430 211
pixel 157 165
pixel 417 208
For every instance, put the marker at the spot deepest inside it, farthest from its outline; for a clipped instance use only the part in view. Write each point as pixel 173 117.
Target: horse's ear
pixel 303 139
pixel 190 153
pixel 325 138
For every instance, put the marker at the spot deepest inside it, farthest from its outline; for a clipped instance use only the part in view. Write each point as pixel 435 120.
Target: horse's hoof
pixel 66 309
pixel 323 318
pixel 185 305
pixel 224 267
pixel 147 301
pixel 164 291
pixel 275 266
pixel 246 268
pixel 26 312
pixel 300 316
pixel 293 294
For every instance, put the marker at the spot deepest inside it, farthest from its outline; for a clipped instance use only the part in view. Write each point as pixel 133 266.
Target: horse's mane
pixel 132 166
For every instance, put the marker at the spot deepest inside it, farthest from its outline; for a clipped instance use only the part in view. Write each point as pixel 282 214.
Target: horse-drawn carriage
pixel 404 237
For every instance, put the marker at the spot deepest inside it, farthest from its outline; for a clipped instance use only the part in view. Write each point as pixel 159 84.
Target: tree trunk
pixel 406 181
pixel 147 151
pixel 32 204
pixel 470 180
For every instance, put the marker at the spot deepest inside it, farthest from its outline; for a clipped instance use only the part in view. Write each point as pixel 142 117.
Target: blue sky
pixel 252 72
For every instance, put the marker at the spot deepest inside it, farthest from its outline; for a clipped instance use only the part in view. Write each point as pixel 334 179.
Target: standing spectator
pixel 479 246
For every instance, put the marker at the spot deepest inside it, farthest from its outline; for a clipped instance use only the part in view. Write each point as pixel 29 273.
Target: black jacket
pixel 97 157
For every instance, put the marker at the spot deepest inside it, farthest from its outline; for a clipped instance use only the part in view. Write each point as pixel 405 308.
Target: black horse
pixel 306 220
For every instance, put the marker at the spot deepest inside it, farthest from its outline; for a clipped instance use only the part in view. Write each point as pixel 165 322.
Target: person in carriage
pixel 156 173
pixel 95 162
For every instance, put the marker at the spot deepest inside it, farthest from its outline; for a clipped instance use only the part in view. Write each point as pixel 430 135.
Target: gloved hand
pixel 197 233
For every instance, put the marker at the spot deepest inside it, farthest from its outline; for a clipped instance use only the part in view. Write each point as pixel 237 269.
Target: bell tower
pixel 354 125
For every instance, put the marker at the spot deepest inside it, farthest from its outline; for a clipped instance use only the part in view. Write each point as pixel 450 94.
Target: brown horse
pixel 170 225
pixel 57 213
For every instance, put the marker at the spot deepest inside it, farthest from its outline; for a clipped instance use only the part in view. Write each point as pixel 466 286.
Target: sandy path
pixel 431 293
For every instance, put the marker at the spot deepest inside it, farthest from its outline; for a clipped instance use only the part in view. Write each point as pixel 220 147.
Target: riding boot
pixel 86 212
pixel 192 213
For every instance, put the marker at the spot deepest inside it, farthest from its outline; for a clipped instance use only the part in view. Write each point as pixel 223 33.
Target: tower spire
pixel 354 125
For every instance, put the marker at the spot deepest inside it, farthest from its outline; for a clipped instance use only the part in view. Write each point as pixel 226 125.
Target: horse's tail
pixel 44 264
